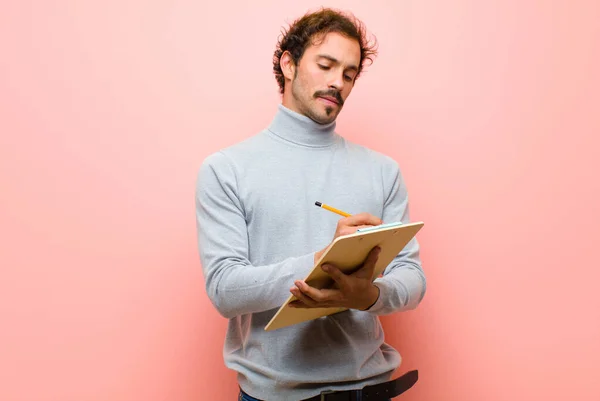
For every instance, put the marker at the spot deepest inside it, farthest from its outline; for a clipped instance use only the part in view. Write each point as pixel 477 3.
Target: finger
pixel 336 274
pixel 298 304
pixel 368 267
pixel 373 255
pixel 323 298
pixel 303 298
pixel 364 226
pixel 313 293
pixel 362 219
pixel 348 230
pixel 372 258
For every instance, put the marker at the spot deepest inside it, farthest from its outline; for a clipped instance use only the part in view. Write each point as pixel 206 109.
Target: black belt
pixel 376 392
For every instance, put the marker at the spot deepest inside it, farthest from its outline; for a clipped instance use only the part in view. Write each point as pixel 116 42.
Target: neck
pixel 301 130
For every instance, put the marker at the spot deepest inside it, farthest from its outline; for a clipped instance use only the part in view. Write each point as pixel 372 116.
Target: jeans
pixel 245 397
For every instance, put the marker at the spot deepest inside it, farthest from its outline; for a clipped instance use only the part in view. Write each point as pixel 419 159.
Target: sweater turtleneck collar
pixel 301 130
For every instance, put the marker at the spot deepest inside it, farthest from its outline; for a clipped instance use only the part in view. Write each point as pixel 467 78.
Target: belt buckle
pixel 325 393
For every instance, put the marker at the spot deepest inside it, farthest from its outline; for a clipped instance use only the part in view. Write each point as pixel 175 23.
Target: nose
pixel 337 81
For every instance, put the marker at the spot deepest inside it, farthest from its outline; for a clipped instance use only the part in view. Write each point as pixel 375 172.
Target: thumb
pixel 368 267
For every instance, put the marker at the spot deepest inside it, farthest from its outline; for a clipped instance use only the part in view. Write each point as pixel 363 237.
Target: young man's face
pixel 323 79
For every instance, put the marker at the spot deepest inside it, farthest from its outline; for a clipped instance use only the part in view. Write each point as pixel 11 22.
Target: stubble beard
pixel 304 100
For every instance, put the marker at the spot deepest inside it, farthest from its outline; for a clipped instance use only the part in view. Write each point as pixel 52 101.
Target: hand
pixel 349 225
pixel 353 291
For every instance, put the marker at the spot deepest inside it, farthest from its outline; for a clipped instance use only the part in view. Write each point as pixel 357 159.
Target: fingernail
pixel 325 268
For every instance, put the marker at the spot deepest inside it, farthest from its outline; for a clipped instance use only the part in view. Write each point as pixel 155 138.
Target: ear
pixel 287 65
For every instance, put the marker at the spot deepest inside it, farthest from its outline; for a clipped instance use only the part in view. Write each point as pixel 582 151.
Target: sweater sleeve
pixel 233 284
pixel 403 284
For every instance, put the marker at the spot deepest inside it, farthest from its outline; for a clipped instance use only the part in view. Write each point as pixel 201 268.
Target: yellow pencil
pixel 332 209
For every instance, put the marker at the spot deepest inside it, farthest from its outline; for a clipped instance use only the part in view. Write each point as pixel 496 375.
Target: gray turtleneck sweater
pixel 258 230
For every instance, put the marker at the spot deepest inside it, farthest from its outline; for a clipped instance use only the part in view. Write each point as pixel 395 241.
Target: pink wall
pixel 107 109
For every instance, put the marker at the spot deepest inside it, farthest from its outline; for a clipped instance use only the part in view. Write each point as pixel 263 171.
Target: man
pixel 260 233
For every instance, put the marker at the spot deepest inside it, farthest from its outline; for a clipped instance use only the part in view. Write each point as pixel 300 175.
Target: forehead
pixel 336 45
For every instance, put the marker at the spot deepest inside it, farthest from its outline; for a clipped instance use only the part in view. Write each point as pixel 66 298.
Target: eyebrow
pixel 334 60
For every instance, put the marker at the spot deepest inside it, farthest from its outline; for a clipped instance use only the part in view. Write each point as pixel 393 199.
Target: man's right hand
pixel 349 225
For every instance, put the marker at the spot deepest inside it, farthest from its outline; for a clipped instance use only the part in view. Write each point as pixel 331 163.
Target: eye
pixel 323 67
pixel 348 78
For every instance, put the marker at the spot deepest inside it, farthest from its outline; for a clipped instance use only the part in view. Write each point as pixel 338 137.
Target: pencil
pixel 332 209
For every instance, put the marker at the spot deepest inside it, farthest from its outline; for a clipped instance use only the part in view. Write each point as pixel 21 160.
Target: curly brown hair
pixel 302 32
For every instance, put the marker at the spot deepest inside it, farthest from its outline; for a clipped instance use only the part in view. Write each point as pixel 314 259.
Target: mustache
pixel 331 93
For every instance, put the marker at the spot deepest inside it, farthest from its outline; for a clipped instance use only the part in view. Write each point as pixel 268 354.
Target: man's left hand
pixel 353 291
